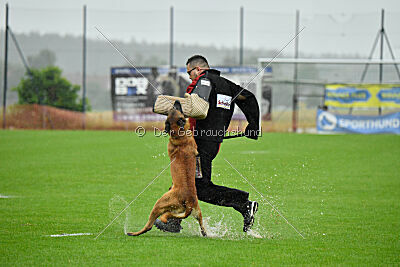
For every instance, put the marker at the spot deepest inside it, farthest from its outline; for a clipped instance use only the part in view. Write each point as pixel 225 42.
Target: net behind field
pixel 143 35
pixel 311 81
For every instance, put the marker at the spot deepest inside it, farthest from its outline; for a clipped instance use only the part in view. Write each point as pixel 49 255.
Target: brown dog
pixel 181 200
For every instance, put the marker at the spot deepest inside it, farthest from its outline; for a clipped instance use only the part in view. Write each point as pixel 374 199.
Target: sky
pixel 340 26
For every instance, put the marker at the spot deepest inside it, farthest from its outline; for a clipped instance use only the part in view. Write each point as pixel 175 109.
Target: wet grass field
pixel 341 192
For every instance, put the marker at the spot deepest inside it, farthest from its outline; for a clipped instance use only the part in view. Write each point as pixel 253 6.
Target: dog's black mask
pixel 181 123
pixel 177 106
pixel 167 127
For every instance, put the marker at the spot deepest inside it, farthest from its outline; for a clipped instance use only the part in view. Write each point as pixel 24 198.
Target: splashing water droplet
pixel 116 205
pixel 255 234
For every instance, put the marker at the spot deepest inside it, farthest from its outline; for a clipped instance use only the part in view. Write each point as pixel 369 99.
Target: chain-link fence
pixel 144 37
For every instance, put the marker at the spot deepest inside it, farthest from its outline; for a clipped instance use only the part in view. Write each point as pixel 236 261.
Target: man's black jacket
pixel 222 95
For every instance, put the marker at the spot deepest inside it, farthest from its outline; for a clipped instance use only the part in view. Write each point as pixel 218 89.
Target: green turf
pixel 342 192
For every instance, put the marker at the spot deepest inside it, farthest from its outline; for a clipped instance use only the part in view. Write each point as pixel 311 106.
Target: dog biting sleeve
pixel 193 106
pixel 199 106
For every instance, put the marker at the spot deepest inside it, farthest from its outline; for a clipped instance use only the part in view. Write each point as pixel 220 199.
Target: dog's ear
pixel 177 106
pixel 181 122
pixel 167 127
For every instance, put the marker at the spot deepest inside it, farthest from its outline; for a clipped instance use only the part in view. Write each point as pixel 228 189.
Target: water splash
pixel 224 227
pixel 115 205
pixel 227 225
pixel 254 234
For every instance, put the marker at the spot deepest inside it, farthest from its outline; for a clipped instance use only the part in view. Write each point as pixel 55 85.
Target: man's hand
pixel 251 131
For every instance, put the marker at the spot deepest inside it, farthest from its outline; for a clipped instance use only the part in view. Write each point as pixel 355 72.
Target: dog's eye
pixel 181 122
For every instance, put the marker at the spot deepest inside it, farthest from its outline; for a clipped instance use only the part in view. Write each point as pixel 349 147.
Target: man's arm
pixel 247 102
pixel 203 88
pixel 199 99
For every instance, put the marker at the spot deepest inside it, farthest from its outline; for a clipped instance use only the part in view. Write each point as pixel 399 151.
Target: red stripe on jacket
pixel 189 89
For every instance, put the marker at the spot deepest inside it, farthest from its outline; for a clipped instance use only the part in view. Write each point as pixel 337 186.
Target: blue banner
pixel 234 70
pixel 164 70
pixel 329 122
pixel 130 70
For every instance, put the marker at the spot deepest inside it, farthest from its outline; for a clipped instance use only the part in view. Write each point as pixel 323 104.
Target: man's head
pixel 195 65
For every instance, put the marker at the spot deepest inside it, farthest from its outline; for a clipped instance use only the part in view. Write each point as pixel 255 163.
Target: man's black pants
pixel 207 191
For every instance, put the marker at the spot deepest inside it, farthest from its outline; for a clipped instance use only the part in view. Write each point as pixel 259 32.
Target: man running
pixel 222 95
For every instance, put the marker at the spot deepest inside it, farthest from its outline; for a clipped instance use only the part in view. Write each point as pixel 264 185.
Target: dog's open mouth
pixel 176 122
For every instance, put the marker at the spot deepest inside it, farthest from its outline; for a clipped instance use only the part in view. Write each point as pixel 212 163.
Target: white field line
pixel 2 196
pixel 78 234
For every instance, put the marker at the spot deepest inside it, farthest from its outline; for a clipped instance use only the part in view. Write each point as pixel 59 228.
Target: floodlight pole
pixel 171 37
pixel 259 92
pixel 295 112
pixel 392 54
pixel 380 35
pixel 84 69
pixel 28 70
pixel 5 70
pixel 241 37
pixel 382 32
pixel 370 57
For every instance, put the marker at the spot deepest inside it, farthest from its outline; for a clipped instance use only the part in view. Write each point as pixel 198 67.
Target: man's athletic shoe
pixel 173 225
pixel 248 216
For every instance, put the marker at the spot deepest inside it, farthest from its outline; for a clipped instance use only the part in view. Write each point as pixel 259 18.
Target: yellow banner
pixel 362 95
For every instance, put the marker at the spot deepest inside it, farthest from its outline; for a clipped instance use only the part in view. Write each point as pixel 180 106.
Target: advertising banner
pixel 329 122
pixel 362 95
pixel 134 90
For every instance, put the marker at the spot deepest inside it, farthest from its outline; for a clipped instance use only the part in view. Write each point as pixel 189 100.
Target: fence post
pixel 84 69
pixel 241 37
pixel 295 112
pixel 171 37
pixel 5 70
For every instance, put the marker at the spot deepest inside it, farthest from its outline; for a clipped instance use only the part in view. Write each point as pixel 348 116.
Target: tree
pixel 229 60
pixel 44 59
pixel 47 87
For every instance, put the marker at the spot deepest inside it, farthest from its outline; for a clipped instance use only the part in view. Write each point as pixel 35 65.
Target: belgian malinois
pixel 181 200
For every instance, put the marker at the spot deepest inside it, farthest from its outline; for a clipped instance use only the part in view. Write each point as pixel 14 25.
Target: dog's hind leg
pixel 163 206
pixel 155 213
pixel 196 213
pixel 159 208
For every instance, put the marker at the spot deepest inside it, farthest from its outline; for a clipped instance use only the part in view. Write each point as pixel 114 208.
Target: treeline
pixel 65 52
pixel 100 55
